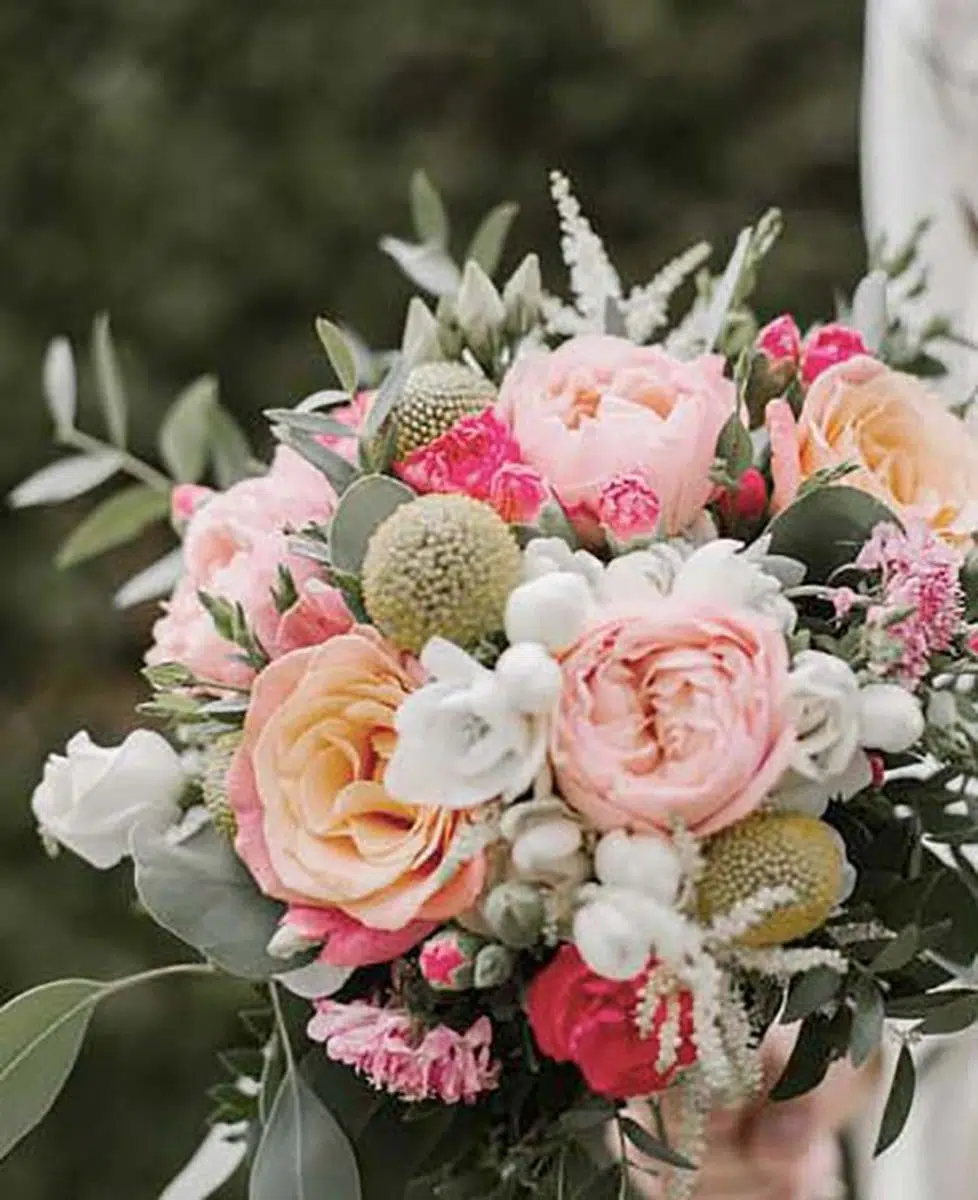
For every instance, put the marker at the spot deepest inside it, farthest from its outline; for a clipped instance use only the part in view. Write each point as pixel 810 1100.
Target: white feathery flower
pixel 593 279
pixel 646 308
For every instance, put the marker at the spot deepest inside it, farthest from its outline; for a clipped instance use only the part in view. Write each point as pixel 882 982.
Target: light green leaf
pixel 315 980
pixel 186 431
pixel 59 383
pixel 303 1153
pixel 388 394
pixel 41 1032
pixel 116 521
pixel 66 479
pixel 229 448
pixel 200 890
pixel 426 265
pixel 897 953
pixel 319 424
pixel 899 1101
pixel 155 581
pixel 867 1020
pixel 809 992
pixel 108 376
pixel 339 353
pixel 487 245
pixel 428 211
pixel 362 508
pixel 826 528
pixel 735 447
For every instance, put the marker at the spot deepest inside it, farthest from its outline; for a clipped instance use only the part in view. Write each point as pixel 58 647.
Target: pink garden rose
pixel 233 547
pixel 347 942
pixel 316 826
pixel 673 713
pixel 599 407
pixel 353 414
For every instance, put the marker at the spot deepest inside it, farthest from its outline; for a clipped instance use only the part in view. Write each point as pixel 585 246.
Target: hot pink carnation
pixel 600 407
pixel 234 545
pixel 674 713
pixel 628 507
pixel 828 345
pixel 388 1048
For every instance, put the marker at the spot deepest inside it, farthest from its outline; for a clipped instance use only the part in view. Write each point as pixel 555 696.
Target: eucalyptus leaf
pixel 735 447
pixel 338 470
pixel 155 581
pixel 59 383
pixel 229 449
pixel 820 1041
pixel 867 1020
pixel 486 247
pixel 426 264
pixel 428 211
pixel 201 891
pixel 184 436
pixel 115 521
pixel 826 528
pixel 810 992
pixel 303 1154
pixel 652 1146
pixel 387 397
pixel 324 399
pixel 951 1018
pixel 898 952
pixel 339 353
pixel 108 376
pixel 41 1032
pixel 315 980
pixel 363 506
pixel 66 479
pixel 317 423
pixel 898 1102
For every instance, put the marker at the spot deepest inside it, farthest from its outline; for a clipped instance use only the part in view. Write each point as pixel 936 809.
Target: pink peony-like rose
pixel 599 407
pixel 579 1017
pixel 828 345
pixel 234 545
pixel 677 712
pixel 315 824
pixel 628 507
pixel 353 414
pixel 185 500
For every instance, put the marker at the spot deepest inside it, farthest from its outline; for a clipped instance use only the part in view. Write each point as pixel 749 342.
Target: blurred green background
pixel 215 177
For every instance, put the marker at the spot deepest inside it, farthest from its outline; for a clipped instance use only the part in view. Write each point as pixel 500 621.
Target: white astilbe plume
pixel 593 280
pixel 748 914
pixel 690 1138
pixel 781 963
pixel 646 308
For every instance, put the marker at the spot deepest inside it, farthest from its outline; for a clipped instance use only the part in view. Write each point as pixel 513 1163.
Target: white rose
pixel 724 569
pixel 461 739
pixel 642 862
pixel 824 706
pixel 642 575
pixel 91 798
pixel 552 610
pixel 547 555
pixel 890 718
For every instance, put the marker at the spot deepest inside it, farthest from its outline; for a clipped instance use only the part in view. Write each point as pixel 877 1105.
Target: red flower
pixel 579 1017
pixel 748 500
pixel 827 346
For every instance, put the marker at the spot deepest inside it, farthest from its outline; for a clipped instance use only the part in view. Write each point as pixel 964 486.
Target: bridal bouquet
pixel 581 690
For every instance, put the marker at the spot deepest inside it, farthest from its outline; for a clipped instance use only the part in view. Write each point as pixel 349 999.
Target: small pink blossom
pixel 921 573
pixel 877 767
pixel 517 493
pixel 843 599
pixel 828 345
pixel 185 499
pixel 629 507
pixel 780 341
pixel 971 640
pixel 353 414
pixel 396 1055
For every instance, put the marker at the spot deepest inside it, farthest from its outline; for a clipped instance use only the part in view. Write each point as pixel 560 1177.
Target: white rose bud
pixel 523 295
pixel 92 798
pixel 420 342
pixel 890 718
pixel 530 678
pixel 641 862
pixel 544 844
pixel 478 305
pixel 552 611
pixel 613 946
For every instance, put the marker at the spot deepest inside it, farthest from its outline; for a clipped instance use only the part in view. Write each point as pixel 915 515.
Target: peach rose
pixel 675 713
pixel 315 825
pixel 234 544
pixel 911 453
pixel 600 407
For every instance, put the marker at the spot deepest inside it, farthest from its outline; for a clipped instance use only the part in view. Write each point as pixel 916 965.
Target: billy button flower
pixel 435 396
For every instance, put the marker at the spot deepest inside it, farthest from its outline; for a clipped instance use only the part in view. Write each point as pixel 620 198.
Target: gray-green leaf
pixel 809 992
pixel 303 1154
pixel 155 581
pixel 362 508
pixel 428 211
pixel 951 1018
pixel 425 264
pixel 108 376
pixel 898 1102
pixel 867 1020
pixel 229 448
pixel 117 520
pixel 66 479
pixel 339 353
pixel 41 1033
pixel 59 383
pixel 825 529
pixel 489 241
pixel 185 435
pixel 335 467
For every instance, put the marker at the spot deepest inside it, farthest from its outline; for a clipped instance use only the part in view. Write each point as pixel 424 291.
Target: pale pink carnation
pixel 828 345
pixel 921 573
pixel 393 1053
pixel 517 493
pixel 629 507
pixel 780 341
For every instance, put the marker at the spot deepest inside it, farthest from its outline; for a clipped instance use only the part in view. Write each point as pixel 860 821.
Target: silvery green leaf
pixel 184 435
pixel 303 1153
pixel 867 1020
pixel 339 353
pixel 523 295
pixel 725 290
pixel 41 1032
pixel 155 581
pixel 316 423
pixel 361 509
pixel 335 467
pixel 387 397
pixel 869 309
pixel 60 386
pixel 201 891
pixel 486 247
pixel 108 376
pixel 114 522
pixel 314 980
pixel 425 264
pixel 428 211
pixel 66 479
pixel 229 449
pixel 478 306
pixel 899 1101
pixel 420 342
pixel 326 399
pixel 213 1163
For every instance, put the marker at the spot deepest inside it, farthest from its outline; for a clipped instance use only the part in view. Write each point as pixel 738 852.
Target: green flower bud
pixel 514 912
pixel 493 966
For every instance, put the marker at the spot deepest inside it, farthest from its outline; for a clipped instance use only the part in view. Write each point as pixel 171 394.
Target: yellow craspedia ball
pixel 440 565
pixel 213 782
pixel 435 396
pixel 768 850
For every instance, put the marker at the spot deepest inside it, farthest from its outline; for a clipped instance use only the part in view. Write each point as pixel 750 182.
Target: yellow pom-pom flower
pixel 213 782
pixel 769 850
pixel 440 565
pixel 435 396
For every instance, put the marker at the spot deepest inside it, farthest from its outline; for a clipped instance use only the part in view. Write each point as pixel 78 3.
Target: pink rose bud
pixel 971 640
pixel 780 341
pixel 518 493
pixel 185 500
pixel 747 501
pixel 447 960
pixel 628 507
pixel 827 346
pixel 878 768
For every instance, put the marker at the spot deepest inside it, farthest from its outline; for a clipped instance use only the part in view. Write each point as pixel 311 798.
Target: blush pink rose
pixel 353 414
pixel 674 713
pixel 599 407
pixel 315 825
pixel 348 942
pixel 233 547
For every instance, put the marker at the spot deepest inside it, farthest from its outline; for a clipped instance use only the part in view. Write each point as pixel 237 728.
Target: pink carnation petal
pixel 785 455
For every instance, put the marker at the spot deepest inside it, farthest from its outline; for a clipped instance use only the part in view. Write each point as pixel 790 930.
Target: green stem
pixel 194 968
pixel 283 1030
pixel 135 466
pixel 623 1151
